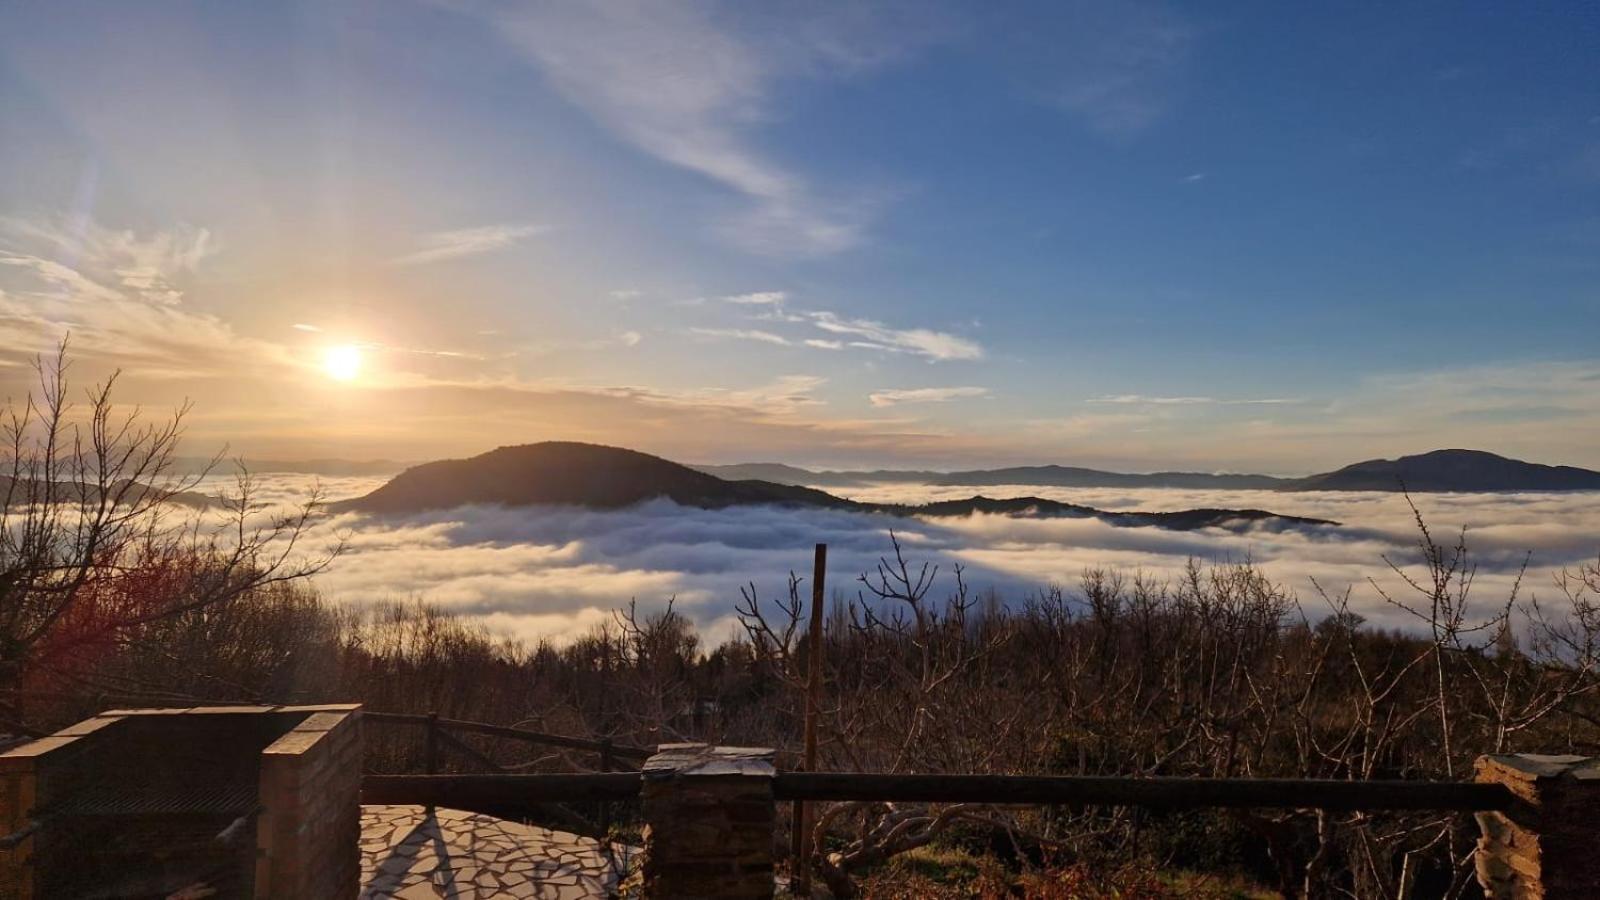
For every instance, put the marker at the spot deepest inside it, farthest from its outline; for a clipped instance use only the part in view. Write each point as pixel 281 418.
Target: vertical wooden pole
pixel 802 826
pixel 431 747
pixel 605 806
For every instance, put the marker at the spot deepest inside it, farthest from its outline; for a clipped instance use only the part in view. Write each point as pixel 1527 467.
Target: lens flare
pixel 342 363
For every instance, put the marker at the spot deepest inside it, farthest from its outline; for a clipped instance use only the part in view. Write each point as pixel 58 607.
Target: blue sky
pixel 1120 234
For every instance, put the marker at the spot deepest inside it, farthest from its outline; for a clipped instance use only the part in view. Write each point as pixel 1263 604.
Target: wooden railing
pixel 467 791
pixel 438 735
pixel 1156 793
pixel 503 790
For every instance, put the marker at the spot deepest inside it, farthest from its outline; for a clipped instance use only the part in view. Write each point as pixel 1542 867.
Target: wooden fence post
pixel 801 841
pixel 431 745
pixel 605 806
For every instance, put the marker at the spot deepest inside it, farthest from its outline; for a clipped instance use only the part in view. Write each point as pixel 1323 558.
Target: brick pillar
pixel 709 818
pixel 308 836
pixel 1547 847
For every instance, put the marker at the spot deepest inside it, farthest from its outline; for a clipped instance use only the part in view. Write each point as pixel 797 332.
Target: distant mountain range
pixel 1465 471
pixel 598 477
pixel 1452 470
pixel 1053 476
pixel 27 490
pixel 193 465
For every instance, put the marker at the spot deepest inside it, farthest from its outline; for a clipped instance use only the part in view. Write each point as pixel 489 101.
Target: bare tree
pixel 94 542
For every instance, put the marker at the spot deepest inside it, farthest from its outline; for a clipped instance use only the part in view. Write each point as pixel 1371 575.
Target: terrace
pixel 270 801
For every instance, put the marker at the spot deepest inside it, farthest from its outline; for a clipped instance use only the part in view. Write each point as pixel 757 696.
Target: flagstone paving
pixel 414 853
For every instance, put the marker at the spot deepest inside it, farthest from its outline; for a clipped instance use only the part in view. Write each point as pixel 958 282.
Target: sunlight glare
pixel 342 363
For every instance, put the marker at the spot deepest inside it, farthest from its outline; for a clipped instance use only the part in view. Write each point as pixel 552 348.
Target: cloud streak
pixel 1145 400
pixel 121 296
pixel 743 334
pixel 863 334
pixel 680 82
pixel 462 242
pixel 894 396
pixel 936 346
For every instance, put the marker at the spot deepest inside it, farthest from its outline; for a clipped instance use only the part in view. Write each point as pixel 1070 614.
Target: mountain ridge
pixel 564 473
pixel 1464 471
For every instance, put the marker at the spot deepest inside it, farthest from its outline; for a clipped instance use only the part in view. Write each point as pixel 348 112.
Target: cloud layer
pixel 546 572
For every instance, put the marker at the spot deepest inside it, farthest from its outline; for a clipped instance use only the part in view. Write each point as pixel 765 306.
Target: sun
pixel 342 363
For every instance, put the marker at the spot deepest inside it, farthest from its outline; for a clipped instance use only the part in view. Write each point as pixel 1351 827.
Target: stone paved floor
pixel 409 853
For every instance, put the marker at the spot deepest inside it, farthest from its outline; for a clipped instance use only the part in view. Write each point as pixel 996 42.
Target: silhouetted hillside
pixel 1036 507
pixel 589 475
pixel 1452 470
pixel 20 491
pixel 570 473
pixel 1055 476
pixel 1074 476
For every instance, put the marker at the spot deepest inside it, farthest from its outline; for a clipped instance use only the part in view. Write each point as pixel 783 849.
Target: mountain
pixel 1039 508
pixel 1054 476
pixel 780 473
pixel 574 474
pixel 1073 476
pixel 597 477
pixel 125 491
pixel 1465 471
pixel 1451 470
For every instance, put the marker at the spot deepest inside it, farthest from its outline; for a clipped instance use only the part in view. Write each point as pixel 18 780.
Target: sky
pixel 1138 236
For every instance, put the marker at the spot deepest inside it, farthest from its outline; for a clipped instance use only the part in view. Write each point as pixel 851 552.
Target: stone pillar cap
pixel 707 760
pixel 1542 765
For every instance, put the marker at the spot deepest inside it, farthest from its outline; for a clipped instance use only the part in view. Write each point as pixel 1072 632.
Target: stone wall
pixel 31 778
pixel 309 832
pixel 305 764
pixel 709 818
pixel 1545 847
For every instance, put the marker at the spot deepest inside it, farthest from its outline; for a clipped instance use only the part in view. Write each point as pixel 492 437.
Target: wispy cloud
pixel 684 85
pixel 758 298
pixel 938 346
pixel 442 245
pixel 1145 400
pixel 743 334
pixel 865 334
pixel 896 396
pixel 120 295
pixel 1119 68
pixel 113 262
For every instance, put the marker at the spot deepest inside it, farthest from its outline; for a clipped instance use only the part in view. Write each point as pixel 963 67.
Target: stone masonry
pixel 310 829
pixel 1546 847
pixel 709 818
pixel 302 763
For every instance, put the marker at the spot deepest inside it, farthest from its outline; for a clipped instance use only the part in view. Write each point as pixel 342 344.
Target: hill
pixel 25 490
pixel 1465 471
pixel 1074 476
pixel 598 477
pixel 1052 475
pixel 574 474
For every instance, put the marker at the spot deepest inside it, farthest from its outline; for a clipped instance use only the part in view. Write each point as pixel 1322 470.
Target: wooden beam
pixel 1169 793
pixel 477 791
pixel 516 734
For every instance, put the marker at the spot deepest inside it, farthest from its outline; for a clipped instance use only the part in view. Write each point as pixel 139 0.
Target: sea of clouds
pixel 547 572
